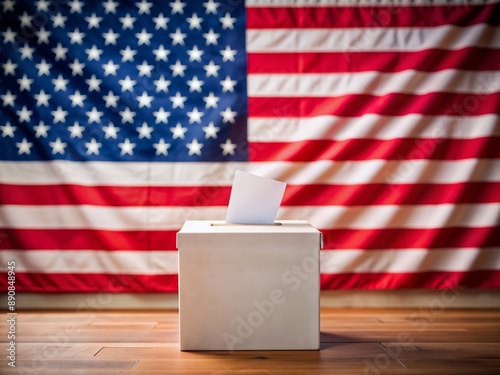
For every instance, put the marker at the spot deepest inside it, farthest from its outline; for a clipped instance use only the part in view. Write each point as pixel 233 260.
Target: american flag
pixel 120 120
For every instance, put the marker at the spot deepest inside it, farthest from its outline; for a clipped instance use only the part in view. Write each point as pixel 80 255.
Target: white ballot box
pixel 249 287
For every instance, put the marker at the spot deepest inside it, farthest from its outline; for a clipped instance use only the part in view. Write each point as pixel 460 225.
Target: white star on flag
pixel 211 100
pixel 211 7
pixel 8 130
pixel 76 36
pixel 195 84
pixel 111 131
pixel 161 147
pixel 27 52
pixel 127 116
pixel 227 21
pixel 177 37
pixel 127 84
pixel 59 20
pixel 145 100
pixel 161 53
pixel 161 84
pixel 145 131
pixel 41 130
pixel 59 115
pixel 210 131
pixel 76 6
pixel 178 100
pixel 110 37
pixel 127 21
pixel 25 83
pixel 24 114
pixel 195 22
pixel 110 68
pixel 228 115
pixel 194 147
pixel 161 22
pixel 94 83
pixel 228 147
pixel 24 147
pixel 42 36
pixel 42 99
pixel 143 37
pixel 94 115
pixel 58 146
pixel 178 131
pixel 77 99
pixel 127 147
pixel 110 6
pixel 60 52
pixel 93 147
pixel 76 68
pixel 10 68
pixel 161 116
pixel 144 7
pixel 111 100
pixel 43 68
pixel 60 83
pixel 211 37
pixel 93 53
pixel 195 116
pixel 76 130
pixel 177 7
pixel 8 99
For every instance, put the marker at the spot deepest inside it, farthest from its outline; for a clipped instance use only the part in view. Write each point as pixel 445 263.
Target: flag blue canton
pixel 131 81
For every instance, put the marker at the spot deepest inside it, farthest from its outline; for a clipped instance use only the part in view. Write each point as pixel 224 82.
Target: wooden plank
pixel 340 351
pixel 47 366
pixel 457 346
pixel 63 371
pixel 353 342
pixel 297 366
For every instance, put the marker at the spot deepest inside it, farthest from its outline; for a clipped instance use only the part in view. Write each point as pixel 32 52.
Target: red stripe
pixel 76 239
pixel 115 195
pixel 81 239
pixel 452 237
pixel 432 60
pixel 396 104
pixel 455 282
pixel 99 283
pixel 351 17
pixel 401 194
pixel 368 149
pixel 295 195
pixel 91 283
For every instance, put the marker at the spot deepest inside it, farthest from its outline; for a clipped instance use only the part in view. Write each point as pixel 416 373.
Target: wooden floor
pixel 418 341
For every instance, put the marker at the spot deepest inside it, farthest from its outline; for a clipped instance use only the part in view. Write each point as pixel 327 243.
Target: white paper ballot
pixel 254 199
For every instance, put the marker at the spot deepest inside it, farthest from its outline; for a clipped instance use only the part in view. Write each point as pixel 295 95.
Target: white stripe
pixel 332 261
pixel 394 3
pixel 393 216
pixel 93 261
pixel 372 126
pixel 413 260
pixel 221 174
pixel 372 39
pixel 373 83
pixel 325 217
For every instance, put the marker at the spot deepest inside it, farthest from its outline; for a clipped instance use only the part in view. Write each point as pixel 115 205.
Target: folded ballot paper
pixel 254 199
